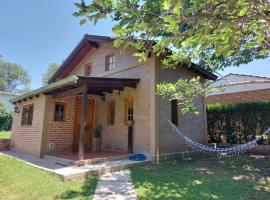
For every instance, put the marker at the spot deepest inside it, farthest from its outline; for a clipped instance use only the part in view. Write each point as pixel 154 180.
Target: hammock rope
pixel 218 152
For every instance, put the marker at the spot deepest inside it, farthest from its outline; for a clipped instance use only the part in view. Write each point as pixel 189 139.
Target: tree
pixel 13 78
pixel 213 34
pixel 49 73
pixel 5 118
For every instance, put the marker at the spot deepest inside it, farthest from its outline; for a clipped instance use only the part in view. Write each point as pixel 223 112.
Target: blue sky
pixel 36 33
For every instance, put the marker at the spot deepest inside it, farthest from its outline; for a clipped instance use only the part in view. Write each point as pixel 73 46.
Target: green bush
pixel 5 119
pixel 239 122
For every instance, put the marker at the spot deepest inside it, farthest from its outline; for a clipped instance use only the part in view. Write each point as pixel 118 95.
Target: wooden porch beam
pixel 83 126
pixel 75 91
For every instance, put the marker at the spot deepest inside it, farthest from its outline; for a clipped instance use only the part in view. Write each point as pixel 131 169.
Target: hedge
pixel 5 119
pixel 238 122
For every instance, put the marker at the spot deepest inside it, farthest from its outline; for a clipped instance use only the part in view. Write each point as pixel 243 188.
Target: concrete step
pixel 100 160
pixel 59 161
pixel 79 172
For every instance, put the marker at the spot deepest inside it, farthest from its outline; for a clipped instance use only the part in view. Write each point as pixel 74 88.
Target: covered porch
pixel 89 94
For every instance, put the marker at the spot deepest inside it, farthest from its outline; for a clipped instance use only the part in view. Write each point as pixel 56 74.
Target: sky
pixel 35 33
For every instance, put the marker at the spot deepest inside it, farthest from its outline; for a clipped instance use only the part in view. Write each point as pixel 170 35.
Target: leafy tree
pixel 213 34
pixel 49 73
pixel 13 78
pixel 5 118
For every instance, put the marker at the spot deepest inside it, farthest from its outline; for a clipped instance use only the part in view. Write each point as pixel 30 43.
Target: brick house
pixel 240 88
pixel 99 86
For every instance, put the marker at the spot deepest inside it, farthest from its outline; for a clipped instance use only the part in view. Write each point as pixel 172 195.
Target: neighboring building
pixel 240 88
pixel 5 97
pixel 119 90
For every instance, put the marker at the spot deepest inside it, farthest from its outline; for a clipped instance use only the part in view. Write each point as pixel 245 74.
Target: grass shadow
pixel 86 191
pixel 203 178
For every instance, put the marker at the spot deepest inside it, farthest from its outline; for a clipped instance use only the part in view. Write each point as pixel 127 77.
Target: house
pixel 98 86
pixel 237 88
pixel 5 97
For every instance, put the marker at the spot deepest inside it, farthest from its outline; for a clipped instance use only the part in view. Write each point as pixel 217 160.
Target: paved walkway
pixel 68 172
pixel 117 185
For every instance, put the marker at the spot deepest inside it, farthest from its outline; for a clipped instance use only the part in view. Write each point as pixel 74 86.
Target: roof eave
pixel 84 40
pixel 66 81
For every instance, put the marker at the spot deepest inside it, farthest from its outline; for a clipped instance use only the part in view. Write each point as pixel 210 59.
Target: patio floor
pixel 88 154
pixel 89 157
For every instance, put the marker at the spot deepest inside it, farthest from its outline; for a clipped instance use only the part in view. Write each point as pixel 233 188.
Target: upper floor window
pixel 111 112
pixel 174 111
pixel 128 109
pixel 59 111
pixel 27 114
pixel 87 69
pixel 109 62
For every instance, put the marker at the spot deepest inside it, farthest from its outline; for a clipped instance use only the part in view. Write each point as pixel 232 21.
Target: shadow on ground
pixel 86 191
pixel 242 177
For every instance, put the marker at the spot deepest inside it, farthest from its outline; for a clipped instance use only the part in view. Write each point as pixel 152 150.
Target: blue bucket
pixel 137 157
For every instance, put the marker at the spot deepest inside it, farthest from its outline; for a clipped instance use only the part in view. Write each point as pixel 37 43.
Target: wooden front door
pixel 89 126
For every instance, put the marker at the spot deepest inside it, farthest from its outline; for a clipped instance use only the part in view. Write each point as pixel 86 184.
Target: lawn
pixel 21 181
pixel 5 134
pixel 242 177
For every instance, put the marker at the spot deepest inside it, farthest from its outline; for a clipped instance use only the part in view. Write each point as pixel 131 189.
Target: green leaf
pixel 82 21
pixel 166 5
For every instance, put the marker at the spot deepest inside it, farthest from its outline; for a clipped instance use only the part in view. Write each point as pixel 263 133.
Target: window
pixel 109 62
pixel 59 111
pixel 128 109
pixel 87 69
pixel 174 111
pixel 27 114
pixel 111 112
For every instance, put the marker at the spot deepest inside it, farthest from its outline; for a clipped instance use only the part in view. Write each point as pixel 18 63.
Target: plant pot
pixel 96 144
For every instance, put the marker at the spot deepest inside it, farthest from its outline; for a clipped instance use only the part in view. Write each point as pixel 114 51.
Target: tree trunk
pixel 83 126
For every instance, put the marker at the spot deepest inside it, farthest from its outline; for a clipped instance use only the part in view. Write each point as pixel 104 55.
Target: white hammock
pixel 219 152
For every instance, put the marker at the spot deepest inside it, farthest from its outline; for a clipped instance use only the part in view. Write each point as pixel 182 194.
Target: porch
pixel 85 106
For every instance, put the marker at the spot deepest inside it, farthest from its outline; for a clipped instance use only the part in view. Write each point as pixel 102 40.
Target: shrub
pixel 5 119
pixel 238 122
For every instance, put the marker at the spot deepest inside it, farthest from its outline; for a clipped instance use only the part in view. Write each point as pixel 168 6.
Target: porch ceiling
pixel 97 85
pixel 78 84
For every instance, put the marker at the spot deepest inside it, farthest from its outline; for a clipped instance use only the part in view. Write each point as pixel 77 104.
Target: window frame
pixel 127 114
pixel 108 62
pixel 174 111
pixel 64 104
pixel 88 66
pixel 27 118
pixel 111 113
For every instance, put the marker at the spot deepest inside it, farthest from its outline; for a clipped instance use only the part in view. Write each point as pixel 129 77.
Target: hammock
pixel 218 152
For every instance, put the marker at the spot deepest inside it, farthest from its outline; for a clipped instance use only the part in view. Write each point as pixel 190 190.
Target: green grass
pixel 5 134
pixel 241 177
pixel 21 181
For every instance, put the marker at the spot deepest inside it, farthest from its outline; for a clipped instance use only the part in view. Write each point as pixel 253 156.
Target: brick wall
pixel 4 144
pixel 116 136
pixel 27 138
pixel 194 126
pixel 60 133
pixel 249 96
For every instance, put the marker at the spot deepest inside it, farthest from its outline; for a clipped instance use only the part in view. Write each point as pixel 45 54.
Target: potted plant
pixel 97 138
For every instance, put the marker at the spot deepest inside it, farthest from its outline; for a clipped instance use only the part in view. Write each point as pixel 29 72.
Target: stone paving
pixel 117 185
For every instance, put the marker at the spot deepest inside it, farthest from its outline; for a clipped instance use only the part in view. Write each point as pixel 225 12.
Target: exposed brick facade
pixel 4 144
pixel 60 133
pixel 248 96
pixel 152 134
pixel 27 138
pixel 192 125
